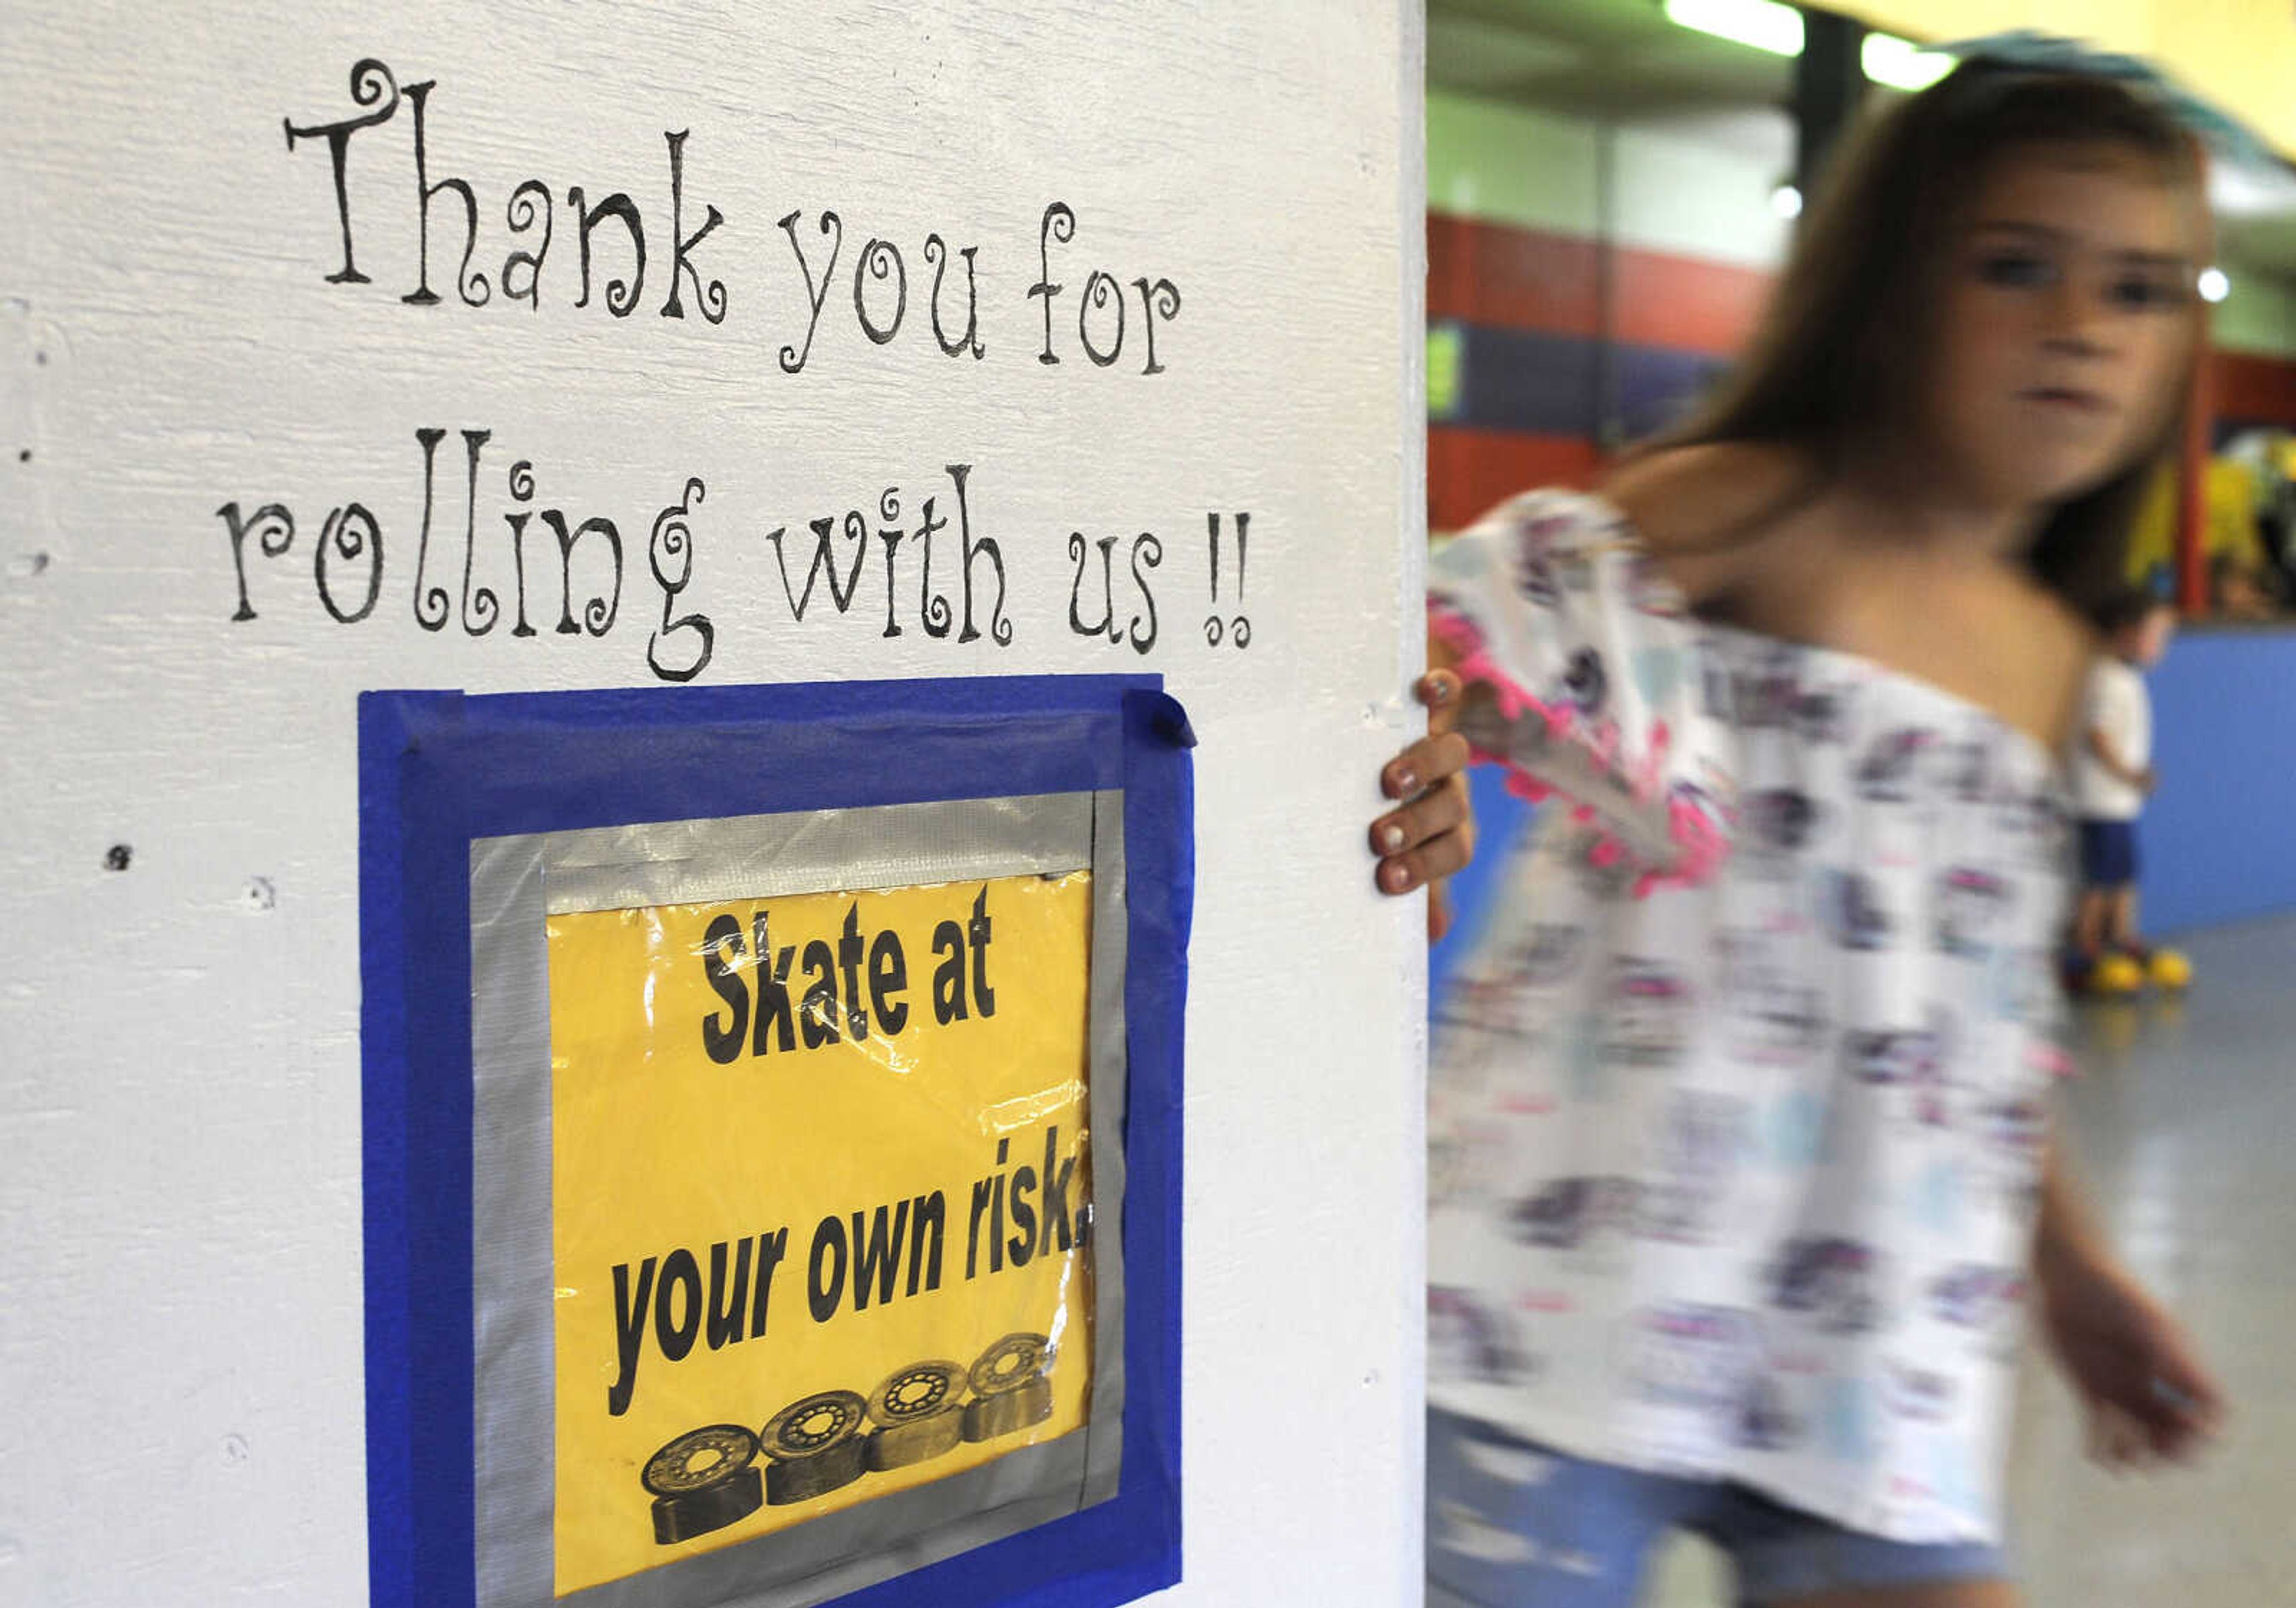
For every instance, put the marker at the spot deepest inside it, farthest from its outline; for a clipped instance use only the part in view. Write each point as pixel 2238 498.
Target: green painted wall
pixel 1509 165
pixel 1675 189
pixel 2258 317
pixel 1680 189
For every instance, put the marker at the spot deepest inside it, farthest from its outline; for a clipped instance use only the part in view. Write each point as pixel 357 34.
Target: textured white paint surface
pixel 180 1326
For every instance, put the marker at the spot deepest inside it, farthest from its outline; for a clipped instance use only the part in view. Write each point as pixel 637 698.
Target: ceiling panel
pixel 1622 60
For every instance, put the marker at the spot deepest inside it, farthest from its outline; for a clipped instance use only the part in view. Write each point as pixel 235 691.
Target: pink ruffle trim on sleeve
pixel 1701 845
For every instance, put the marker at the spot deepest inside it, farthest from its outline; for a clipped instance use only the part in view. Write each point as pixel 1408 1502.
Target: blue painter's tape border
pixel 437 770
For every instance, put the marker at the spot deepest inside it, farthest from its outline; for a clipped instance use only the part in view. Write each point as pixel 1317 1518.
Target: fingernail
pixel 1441 689
pixel 1393 838
pixel 1406 781
pixel 1398 877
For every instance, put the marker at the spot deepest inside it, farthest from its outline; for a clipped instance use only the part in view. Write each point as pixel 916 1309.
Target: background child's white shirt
pixel 2117 705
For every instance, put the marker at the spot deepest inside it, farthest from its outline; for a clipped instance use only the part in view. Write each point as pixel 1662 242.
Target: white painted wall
pixel 180 1322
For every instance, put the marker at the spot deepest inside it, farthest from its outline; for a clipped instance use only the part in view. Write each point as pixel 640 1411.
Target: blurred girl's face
pixel 2068 318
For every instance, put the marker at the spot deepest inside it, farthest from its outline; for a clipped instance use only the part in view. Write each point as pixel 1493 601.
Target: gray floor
pixel 2185 1129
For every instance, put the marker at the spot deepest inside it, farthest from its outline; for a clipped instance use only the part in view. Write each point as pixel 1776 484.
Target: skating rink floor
pixel 2184 1127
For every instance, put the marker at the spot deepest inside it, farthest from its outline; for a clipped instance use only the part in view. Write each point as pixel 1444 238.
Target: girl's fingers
pixel 2186 1407
pixel 1431 861
pixel 2184 1381
pixel 1432 759
pixel 1440 690
pixel 1431 836
pixel 1447 854
pixel 1438 913
pixel 1401 874
pixel 2180 1404
pixel 1439 810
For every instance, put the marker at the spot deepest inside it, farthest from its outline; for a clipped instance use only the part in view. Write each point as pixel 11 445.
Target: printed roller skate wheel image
pixel 699 1459
pixel 1012 1387
pixel 917 1416
pixel 2169 969
pixel 815 1446
pixel 703 1482
pixel 1011 1364
pixel 2114 975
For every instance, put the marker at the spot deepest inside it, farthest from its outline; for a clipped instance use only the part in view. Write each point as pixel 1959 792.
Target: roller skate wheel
pixel 705 1508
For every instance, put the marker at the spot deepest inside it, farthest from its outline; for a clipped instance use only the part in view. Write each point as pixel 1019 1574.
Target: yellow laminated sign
pixel 821 1199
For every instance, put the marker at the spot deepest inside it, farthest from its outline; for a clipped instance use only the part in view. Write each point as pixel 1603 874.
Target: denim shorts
pixel 1512 1525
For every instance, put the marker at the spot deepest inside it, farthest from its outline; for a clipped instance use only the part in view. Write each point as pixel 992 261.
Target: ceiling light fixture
pixel 1763 24
pixel 1900 63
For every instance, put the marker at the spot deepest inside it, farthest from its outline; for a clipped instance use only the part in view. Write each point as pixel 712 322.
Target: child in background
pixel 1741 1173
pixel 2111 765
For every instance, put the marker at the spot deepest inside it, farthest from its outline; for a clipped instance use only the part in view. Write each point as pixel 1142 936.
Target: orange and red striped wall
pixel 1523 310
pixel 2248 390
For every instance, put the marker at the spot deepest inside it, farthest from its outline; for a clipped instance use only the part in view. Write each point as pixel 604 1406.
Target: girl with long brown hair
pixel 1742 1184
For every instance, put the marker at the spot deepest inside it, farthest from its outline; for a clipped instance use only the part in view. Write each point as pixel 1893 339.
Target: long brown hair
pixel 1834 367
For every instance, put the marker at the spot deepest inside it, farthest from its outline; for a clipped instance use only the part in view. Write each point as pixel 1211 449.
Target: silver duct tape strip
pixel 516 884
pixel 805 852
pixel 1110 1073
pixel 516 1343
